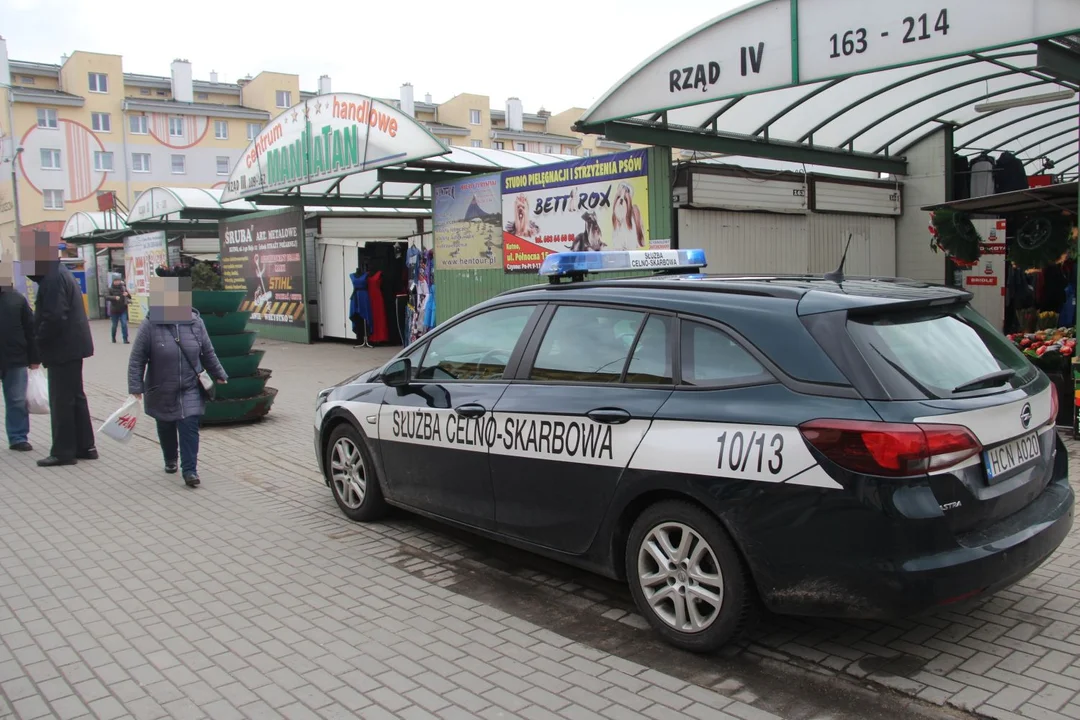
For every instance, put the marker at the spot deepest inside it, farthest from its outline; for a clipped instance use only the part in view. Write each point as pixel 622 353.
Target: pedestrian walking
pixel 62 333
pixel 168 357
pixel 18 352
pixel 119 298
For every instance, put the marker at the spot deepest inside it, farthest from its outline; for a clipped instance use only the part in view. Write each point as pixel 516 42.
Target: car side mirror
pixel 398 373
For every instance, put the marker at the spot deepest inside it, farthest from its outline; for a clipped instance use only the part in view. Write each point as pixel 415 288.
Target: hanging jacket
pixel 1009 174
pixel 982 176
pixel 961 178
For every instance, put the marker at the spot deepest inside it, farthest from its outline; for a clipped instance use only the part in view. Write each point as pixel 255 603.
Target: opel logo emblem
pixel 1025 415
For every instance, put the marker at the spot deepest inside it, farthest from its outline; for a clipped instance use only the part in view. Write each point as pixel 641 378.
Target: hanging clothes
pixel 982 175
pixel 380 333
pixel 360 306
pixel 961 178
pixel 1009 174
pixel 429 309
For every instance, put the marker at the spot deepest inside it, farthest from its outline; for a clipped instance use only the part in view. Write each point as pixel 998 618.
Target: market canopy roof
pixel 176 204
pixel 854 84
pixel 86 226
pixel 1065 197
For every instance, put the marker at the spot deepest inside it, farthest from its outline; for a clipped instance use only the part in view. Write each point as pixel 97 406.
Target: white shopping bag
pixel 121 424
pixel 37 392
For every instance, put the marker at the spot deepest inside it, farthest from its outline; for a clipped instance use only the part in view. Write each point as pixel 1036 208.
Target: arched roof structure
pixel 854 84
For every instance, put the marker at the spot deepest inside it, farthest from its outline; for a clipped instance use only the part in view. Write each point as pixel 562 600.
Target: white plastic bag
pixel 37 392
pixel 121 424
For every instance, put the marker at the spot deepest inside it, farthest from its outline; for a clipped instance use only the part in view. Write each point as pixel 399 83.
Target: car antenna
pixel 837 276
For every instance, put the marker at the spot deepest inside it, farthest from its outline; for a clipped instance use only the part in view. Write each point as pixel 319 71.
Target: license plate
pixel 1011 455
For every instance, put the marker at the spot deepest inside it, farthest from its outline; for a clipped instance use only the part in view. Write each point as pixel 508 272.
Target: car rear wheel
pixel 686 577
pixel 351 476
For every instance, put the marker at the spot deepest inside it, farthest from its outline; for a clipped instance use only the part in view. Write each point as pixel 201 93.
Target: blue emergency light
pixel 571 264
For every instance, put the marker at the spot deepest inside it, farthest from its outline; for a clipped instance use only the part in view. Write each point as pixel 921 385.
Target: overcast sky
pixel 551 53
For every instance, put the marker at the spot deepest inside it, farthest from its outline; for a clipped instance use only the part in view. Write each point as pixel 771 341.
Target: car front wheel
pixel 351 476
pixel 686 576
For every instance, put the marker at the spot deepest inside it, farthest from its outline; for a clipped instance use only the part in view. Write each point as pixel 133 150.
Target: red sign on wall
pixel 982 280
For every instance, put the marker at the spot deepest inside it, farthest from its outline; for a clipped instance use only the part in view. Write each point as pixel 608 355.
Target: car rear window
pixel 939 354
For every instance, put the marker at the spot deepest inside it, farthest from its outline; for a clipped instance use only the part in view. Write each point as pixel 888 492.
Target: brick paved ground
pixel 124 594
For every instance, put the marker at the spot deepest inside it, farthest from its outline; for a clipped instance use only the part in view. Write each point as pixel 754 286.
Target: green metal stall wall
pixel 458 290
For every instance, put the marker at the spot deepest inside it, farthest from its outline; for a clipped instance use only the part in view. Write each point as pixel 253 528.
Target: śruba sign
pixel 591 204
pixel 326 137
pixel 262 254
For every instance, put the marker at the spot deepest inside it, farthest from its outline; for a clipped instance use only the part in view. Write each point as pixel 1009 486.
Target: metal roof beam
pixel 419 177
pixel 1035 72
pixel 809 96
pixel 754 147
pixel 999 128
pixel 1074 130
pixel 1026 133
pixel 1071 143
pixel 1057 61
pixel 341 201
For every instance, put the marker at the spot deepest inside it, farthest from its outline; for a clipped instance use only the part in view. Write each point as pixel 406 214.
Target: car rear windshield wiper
pixel 988 380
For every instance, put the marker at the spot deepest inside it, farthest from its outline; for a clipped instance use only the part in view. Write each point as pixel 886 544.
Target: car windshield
pixel 940 354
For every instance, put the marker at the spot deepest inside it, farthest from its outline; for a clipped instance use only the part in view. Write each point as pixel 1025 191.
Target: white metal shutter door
pixel 207 246
pixel 333 297
pixel 375 228
pixel 743 242
pixel 873 244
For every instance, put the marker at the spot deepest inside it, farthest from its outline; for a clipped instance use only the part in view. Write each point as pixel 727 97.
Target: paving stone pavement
pixel 125 594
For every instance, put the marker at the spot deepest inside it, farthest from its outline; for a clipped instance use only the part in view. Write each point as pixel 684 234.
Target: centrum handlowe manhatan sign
pixel 326 137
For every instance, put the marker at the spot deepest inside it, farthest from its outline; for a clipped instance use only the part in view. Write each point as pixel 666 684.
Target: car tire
pixel 701 599
pixel 351 475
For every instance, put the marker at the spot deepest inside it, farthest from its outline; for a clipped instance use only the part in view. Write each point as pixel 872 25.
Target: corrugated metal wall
pixel 743 242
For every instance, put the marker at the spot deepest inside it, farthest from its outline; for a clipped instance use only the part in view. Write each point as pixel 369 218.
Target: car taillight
pixel 1053 406
pixel 891 449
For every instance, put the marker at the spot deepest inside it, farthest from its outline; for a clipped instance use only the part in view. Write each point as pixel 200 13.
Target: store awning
pixel 1062 197
pixel 848 84
pixel 91 226
pixel 184 204
pixel 333 160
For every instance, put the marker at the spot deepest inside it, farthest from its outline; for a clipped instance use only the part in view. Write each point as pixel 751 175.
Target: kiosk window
pixel 475 349
pixel 586 344
pixel 712 359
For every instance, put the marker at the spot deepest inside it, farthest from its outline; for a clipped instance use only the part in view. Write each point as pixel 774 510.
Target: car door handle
pixel 470 410
pixel 609 416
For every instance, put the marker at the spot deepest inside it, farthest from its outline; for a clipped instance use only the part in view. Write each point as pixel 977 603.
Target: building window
pixel 162 93
pixel 223 165
pixel 221 129
pixel 474 117
pixel 549 148
pixel 50 159
pixel 476 143
pixel 179 164
pixel 46 118
pixel 519 146
pixel 253 130
pixel 176 127
pixel 54 199
pixel 140 162
pixel 99 83
pixel 587 152
pixel 27 80
pixel 138 124
pixel 144 91
pixel 202 96
pixel 101 122
pixel 103 161
pixel 284 98
pixel 500 145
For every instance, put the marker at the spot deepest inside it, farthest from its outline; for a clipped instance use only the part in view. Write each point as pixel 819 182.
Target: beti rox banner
pixel 262 254
pixel 592 204
pixel 327 137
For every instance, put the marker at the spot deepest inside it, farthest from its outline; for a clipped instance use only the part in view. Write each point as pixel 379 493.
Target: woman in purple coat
pixel 170 351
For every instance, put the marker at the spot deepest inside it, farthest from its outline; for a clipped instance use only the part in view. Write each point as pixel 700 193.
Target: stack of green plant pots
pixel 245 398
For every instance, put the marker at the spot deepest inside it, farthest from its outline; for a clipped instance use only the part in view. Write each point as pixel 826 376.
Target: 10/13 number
pixel 737 452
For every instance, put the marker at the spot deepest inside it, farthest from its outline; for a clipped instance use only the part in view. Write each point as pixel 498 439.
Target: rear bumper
pixel 983 563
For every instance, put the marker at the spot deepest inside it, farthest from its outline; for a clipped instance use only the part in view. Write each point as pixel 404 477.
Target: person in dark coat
pixel 171 349
pixel 62 333
pixel 118 298
pixel 18 351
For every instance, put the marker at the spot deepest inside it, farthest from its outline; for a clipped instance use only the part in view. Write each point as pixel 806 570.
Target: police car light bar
pixel 570 264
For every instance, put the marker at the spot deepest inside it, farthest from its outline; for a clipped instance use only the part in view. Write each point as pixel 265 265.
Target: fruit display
pixel 1050 349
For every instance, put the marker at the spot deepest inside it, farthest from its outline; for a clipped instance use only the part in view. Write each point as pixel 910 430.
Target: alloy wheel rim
pixel 680 577
pixel 348 473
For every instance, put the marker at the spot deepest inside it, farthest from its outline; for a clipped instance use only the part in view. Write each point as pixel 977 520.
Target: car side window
pixel 650 363
pixel 475 349
pixel 710 358
pixel 586 344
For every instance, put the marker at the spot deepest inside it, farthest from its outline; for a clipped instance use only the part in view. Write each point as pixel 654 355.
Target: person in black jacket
pixel 62 332
pixel 18 351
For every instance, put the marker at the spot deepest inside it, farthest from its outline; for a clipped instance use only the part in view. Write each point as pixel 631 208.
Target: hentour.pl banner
pixel 588 205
